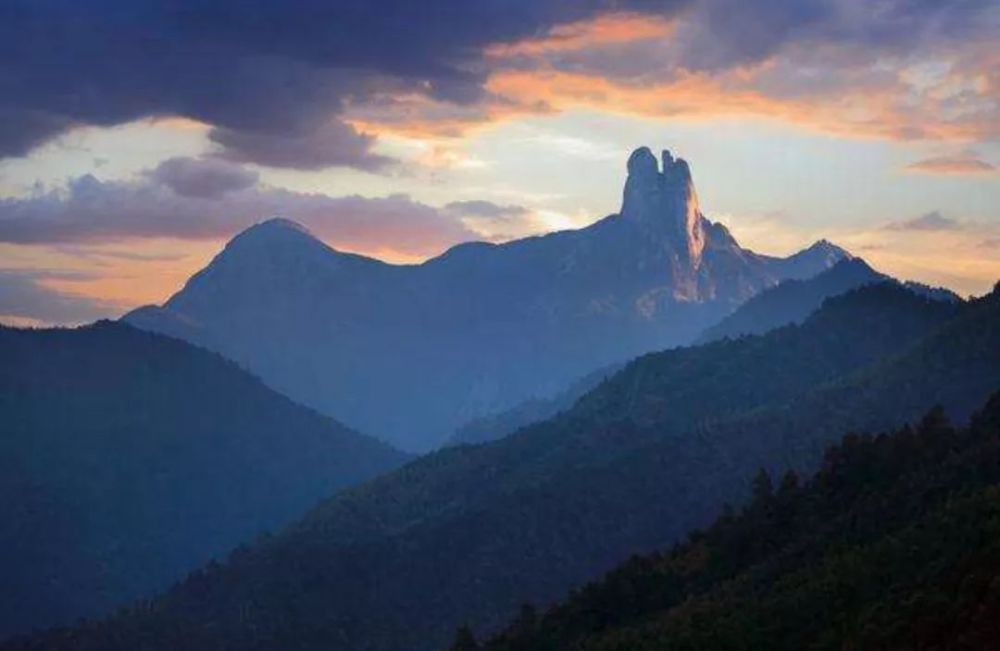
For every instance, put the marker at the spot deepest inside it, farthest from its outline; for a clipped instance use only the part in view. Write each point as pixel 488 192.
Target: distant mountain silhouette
pixel 496 426
pixel 481 328
pixel 791 301
pixel 468 533
pixel 128 459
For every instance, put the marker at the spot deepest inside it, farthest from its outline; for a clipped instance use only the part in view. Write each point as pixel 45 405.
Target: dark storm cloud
pixel 265 74
pixel 272 78
pixel 331 144
pixel 21 130
pixel 828 38
pixel 725 33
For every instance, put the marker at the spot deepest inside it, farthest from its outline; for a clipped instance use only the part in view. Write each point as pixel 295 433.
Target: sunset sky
pixel 137 137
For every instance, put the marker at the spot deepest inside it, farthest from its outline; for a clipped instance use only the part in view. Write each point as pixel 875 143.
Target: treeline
pixel 893 544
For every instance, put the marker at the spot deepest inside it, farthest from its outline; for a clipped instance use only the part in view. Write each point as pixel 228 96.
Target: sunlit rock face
pixel 409 353
pixel 664 201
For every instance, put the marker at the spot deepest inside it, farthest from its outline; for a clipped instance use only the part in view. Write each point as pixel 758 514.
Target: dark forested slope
pixel 468 533
pixel 128 459
pixel 791 301
pixel 893 544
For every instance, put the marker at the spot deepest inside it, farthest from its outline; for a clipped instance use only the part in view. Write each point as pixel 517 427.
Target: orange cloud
pixel 965 163
pixel 622 64
pixel 702 97
pixel 608 29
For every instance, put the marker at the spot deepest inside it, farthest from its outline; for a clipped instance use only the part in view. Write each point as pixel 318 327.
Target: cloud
pixel 963 163
pixel 906 71
pixel 90 210
pixel 291 84
pixel 932 221
pixel 481 208
pixel 496 222
pixel 23 129
pixel 202 177
pixel 259 74
pixel 333 144
pixel 24 296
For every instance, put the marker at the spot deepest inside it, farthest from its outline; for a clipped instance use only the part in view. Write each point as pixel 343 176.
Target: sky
pixel 137 137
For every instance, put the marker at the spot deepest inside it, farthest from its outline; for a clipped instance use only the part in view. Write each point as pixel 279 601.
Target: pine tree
pixel 763 488
pixel 465 640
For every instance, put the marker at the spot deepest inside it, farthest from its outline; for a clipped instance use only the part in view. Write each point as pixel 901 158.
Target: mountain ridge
pixel 476 530
pixel 793 300
pixel 811 564
pixel 480 328
pixel 128 459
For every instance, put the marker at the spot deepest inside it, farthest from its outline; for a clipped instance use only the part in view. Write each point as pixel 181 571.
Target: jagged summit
pixel 825 245
pixel 482 327
pixel 664 200
pixel 823 253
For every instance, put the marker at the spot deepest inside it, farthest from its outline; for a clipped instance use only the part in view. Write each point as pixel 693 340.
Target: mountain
pixel 791 301
pixel 466 534
pixel 482 327
pixel 893 544
pixel 128 459
pixel 937 293
pixel 496 426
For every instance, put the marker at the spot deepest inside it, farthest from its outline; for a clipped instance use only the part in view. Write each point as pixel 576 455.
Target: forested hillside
pixel 469 533
pixel 893 544
pixel 128 459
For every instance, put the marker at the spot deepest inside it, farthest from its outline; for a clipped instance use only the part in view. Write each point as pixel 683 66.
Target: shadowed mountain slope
pixel 497 426
pixel 128 459
pixel 482 327
pixel 466 534
pixel 791 301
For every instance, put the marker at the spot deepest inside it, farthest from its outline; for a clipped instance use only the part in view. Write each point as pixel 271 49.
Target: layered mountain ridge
pixel 128 459
pixel 467 534
pixel 482 327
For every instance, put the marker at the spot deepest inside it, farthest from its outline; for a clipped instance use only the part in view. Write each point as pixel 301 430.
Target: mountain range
pixel 128 459
pixel 791 301
pixel 482 327
pixel 467 534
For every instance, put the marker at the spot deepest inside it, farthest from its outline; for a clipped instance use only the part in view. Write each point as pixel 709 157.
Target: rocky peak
pixel 664 201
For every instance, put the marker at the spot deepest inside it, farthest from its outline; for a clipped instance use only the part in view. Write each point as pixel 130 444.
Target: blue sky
pixel 137 138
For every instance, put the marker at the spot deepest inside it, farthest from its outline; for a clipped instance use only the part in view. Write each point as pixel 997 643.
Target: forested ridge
pixel 468 533
pixel 893 544
pixel 127 459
